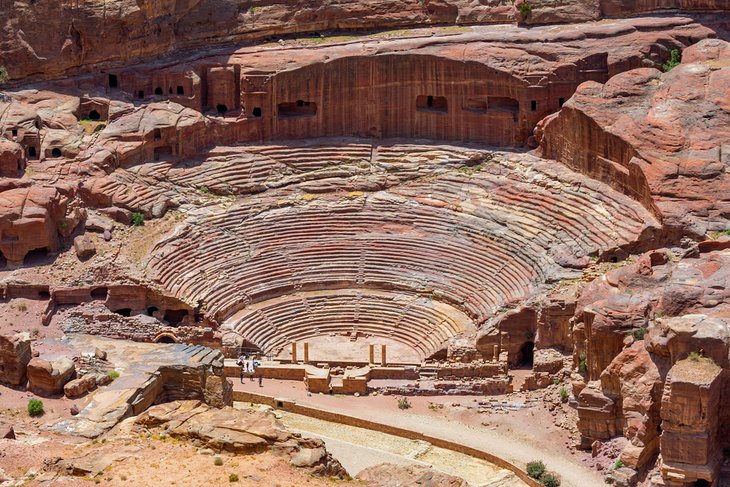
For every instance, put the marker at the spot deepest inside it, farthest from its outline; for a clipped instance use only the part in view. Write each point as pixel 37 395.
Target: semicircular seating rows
pixel 476 239
pixel 419 323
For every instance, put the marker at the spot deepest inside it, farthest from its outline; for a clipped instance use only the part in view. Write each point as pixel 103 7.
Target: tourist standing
pixel 241 364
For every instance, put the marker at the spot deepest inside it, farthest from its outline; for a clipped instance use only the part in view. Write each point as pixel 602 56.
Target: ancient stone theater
pixel 383 243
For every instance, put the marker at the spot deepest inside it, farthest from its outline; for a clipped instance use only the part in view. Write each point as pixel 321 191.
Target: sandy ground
pixel 518 436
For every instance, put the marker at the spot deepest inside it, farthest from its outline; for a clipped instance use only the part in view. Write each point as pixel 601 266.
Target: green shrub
pixel 674 59
pixel 218 461
pixel 582 365
pixel 564 394
pixel 233 478
pixel 3 75
pixel 35 407
pixel 694 356
pixel 137 219
pixel 535 469
pixel 639 333
pixel 525 9
pixel 618 464
pixel 113 374
pixel 549 480
pixel 404 403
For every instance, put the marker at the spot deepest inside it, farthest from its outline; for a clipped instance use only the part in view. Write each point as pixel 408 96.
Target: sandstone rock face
pixel 690 418
pixel 660 137
pixel 12 158
pixel 49 378
pixel 650 386
pixel 391 475
pixel 240 432
pixel 30 219
pixel 15 353
pixel 627 402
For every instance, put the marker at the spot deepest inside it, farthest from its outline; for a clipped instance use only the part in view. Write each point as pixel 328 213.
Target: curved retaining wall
pixel 293 407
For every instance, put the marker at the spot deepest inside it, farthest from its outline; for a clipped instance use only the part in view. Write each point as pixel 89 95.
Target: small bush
pixel 674 59
pixel 35 407
pixel 535 469
pixel 137 219
pixel 113 374
pixel 639 334
pixel 618 464
pixel 556 381
pixel 217 461
pixel 233 478
pixel 3 75
pixel 582 366
pixel 404 403
pixel 694 356
pixel 564 394
pixel 525 9
pixel 22 307
pixel 549 480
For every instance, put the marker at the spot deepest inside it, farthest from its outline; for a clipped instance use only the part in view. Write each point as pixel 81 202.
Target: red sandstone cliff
pixel 660 137
pixel 46 39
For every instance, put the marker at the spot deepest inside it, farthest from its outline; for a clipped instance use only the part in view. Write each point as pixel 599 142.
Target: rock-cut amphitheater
pixel 462 242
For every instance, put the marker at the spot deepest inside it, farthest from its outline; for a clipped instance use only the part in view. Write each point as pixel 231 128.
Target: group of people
pixel 248 367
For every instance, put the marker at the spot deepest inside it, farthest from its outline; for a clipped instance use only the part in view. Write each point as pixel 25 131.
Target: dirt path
pixel 359 448
pixel 517 437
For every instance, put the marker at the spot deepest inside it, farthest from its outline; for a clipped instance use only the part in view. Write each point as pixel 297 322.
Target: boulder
pixel 99 354
pixel 121 215
pixel 80 386
pixel 84 247
pixel 15 353
pixel 95 223
pixel 6 431
pixel 48 378
pixel 392 475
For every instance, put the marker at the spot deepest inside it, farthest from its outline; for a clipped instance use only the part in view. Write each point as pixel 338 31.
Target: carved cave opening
pixel 99 294
pixel 300 108
pixel 431 103
pixel 527 354
pixel 175 316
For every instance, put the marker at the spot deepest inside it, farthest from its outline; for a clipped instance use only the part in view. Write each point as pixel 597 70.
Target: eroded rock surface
pixel 390 475
pixel 661 137
pixel 241 432
pixel 15 353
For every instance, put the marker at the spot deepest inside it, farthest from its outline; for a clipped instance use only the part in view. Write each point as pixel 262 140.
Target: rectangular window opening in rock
pixel 431 103
pixel 299 108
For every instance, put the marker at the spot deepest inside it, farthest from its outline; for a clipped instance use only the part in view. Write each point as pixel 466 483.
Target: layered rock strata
pixel 660 137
